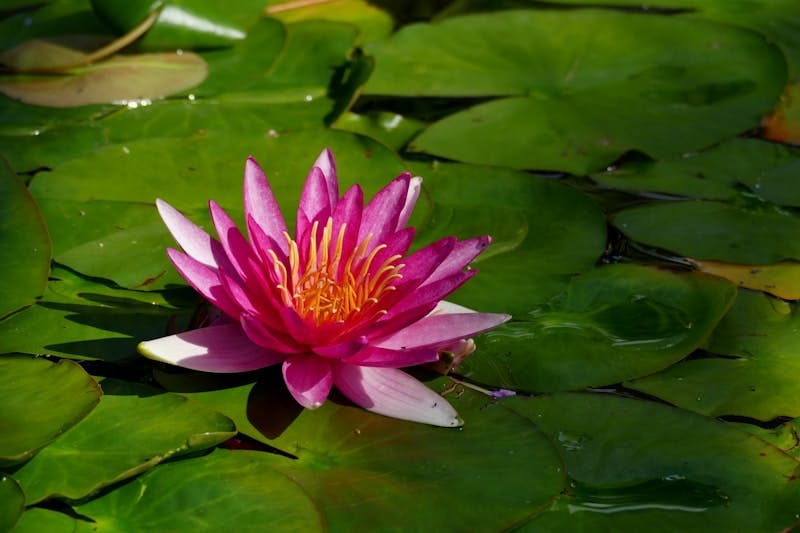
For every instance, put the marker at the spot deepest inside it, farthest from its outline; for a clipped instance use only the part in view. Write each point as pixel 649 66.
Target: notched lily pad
pixel 118 79
pixel 612 323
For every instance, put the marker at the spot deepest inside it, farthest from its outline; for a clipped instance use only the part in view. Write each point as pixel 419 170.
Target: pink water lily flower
pixel 342 303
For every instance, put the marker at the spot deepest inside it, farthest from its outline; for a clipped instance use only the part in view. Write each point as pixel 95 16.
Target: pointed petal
pixel 440 330
pixel 327 164
pixel 383 211
pixel 449 308
pixel 428 293
pixel 260 204
pixel 414 188
pixel 262 336
pixel 213 349
pixel 191 237
pixel 315 204
pixel 392 392
pixel 205 281
pixel 462 255
pixel 308 378
pixel 348 211
pixel 342 349
pixel 236 246
pixel 385 357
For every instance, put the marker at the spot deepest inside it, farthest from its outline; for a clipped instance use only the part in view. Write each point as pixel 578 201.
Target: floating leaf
pixel 577 106
pixel 758 235
pixel 391 129
pixel 640 465
pixel 39 401
pixel 760 383
pixel 26 249
pixel 373 23
pixel 12 502
pixel 348 458
pixel 782 279
pixel 612 323
pixel 120 78
pixel 132 429
pixel 783 125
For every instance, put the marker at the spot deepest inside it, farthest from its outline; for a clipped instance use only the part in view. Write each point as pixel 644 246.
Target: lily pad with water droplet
pixel 613 323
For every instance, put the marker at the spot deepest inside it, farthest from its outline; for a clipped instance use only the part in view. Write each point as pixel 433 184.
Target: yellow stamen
pixel 333 287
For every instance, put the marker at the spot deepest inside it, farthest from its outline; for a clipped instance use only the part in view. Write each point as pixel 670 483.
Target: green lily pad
pixel 640 465
pixel 26 250
pixel 38 519
pixel 761 383
pixel 198 169
pixel 132 429
pixel 40 400
pixel 578 106
pixel 611 324
pixel 392 129
pixel 762 234
pixel 543 232
pixel 81 319
pixel 714 174
pixel 12 502
pixel 346 456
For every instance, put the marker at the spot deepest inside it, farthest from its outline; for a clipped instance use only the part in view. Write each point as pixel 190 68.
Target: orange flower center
pixel 330 287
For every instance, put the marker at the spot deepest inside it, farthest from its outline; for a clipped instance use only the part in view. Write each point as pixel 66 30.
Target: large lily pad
pixel 674 91
pixel 543 232
pixel 207 493
pixel 12 502
pixel 760 234
pixel 25 252
pixel 132 429
pixel 611 324
pixel 82 319
pixel 333 468
pixel 40 400
pixel 639 465
pixel 760 382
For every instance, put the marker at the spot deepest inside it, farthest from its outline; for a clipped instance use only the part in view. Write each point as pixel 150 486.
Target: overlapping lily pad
pixel 756 234
pixel 348 458
pixel 760 380
pixel 12 502
pixel 640 465
pixel 132 429
pixel 25 252
pixel 611 324
pixel 577 107
pixel 40 400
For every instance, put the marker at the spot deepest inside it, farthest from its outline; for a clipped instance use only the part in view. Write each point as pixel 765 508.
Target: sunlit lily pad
pixel 392 129
pixel 781 279
pixel 761 382
pixel 611 324
pixel 783 124
pixel 26 249
pixel 373 23
pixel 40 400
pixel 120 78
pixel 337 472
pixel 640 465
pixel 132 429
pixel 761 234
pixel 675 91
pixel 12 502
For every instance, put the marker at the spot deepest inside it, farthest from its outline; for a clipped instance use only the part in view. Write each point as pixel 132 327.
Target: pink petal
pixel 449 308
pixel 439 330
pixel 236 246
pixel 205 281
pixel 327 164
pixel 383 212
pixel 191 237
pixel 261 335
pixel 414 188
pixel 392 392
pixel 462 255
pixel 385 357
pixel 260 204
pixel 221 349
pixel 348 211
pixel 314 205
pixel 342 349
pixel 428 293
pixel 308 378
